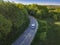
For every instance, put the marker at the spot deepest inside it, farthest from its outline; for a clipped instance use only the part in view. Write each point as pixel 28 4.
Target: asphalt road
pixel 27 37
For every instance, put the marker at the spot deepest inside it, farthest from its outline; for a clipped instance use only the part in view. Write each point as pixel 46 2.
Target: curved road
pixel 27 37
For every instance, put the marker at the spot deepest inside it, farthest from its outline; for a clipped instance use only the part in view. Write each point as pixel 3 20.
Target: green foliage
pixel 53 35
pixel 48 32
pixel 13 21
pixel 13 12
pixel 41 33
pixel 5 26
pixel 38 11
pixel 43 36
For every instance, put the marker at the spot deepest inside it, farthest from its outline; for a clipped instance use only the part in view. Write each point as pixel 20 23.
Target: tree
pixel 5 26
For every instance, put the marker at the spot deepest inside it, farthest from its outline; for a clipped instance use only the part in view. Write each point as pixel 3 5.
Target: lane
pixel 27 37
